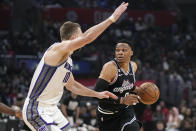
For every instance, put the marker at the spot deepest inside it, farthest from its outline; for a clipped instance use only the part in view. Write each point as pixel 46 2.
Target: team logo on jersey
pixel 43 128
pixel 125 86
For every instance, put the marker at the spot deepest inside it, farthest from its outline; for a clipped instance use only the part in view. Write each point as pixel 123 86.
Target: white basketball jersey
pixel 48 82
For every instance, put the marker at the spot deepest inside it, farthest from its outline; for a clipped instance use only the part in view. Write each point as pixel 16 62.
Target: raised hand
pixel 106 94
pixel 119 11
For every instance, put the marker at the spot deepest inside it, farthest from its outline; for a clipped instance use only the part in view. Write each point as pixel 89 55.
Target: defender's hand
pixel 118 12
pixel 106 94
pixel 18 114
pixel 130 99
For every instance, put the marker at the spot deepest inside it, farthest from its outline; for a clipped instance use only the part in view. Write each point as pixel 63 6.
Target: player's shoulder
pixel 110 65
pixel 53 45
pixel 109 71
pixel 134 65
pixel 52 48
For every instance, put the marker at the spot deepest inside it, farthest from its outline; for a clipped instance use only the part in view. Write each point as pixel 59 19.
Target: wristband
pixel 112 19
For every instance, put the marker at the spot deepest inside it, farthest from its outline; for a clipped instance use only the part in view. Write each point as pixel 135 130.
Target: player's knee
pixel 132 127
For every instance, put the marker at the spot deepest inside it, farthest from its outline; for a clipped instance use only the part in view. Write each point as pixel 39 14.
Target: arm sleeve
pixel 102 85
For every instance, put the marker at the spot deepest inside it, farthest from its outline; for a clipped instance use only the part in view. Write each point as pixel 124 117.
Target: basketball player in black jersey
pixel 118 77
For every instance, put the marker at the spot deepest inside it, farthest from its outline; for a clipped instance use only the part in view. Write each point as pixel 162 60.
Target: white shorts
pixel 40 117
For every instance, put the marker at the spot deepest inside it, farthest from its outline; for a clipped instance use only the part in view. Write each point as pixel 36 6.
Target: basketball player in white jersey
pixel 53 73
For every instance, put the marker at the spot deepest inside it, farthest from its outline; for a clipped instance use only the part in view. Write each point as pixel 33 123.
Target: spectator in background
pixel 3 68
pixel 194 103
pixel 93 121
pixel 194 82
pixel 174 121
pixel 88 117
pixel 159 126
pixel 175 88
pixel 182 112
pixel 148 72
pixel 147 118
pixel 194 120
pixel 164 110
pixel 158 115
pixel 165 64
pixel 163 85
pixel 187 123
pixel 71 108
pixel 140 25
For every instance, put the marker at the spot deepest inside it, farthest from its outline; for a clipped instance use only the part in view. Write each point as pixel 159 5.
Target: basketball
pixel 149 93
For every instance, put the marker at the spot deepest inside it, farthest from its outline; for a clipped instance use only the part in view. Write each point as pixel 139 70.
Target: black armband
pixel 101 85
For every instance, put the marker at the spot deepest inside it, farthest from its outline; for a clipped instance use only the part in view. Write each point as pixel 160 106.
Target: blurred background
pixel 164 37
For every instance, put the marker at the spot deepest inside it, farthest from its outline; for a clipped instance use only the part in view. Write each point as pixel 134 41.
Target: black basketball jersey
pixel 121 86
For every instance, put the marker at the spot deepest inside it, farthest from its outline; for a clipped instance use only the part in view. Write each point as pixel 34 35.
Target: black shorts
pixel 121 121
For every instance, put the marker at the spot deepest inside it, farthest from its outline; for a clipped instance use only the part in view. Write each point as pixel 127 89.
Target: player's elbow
pixel 68 87
pixel 87 38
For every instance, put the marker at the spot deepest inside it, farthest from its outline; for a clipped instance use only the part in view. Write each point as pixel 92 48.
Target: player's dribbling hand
pixel 106 94
pixel 119 11
pixel 130 99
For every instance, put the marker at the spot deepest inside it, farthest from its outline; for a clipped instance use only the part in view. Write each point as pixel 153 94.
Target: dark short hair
pixel 68 29
pixel 127 42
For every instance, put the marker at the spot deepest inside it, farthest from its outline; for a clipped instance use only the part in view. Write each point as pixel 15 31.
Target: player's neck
pixel 124 66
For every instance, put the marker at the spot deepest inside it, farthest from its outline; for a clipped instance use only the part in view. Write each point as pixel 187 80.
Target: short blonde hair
pixel 68 29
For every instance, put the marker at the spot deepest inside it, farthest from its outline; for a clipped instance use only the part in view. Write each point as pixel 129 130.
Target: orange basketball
pixel 149 93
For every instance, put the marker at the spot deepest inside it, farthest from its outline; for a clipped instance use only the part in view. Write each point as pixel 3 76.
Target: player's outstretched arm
pixel 7 110
pixel 92 33
pixel 79 89
pixel 65 48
